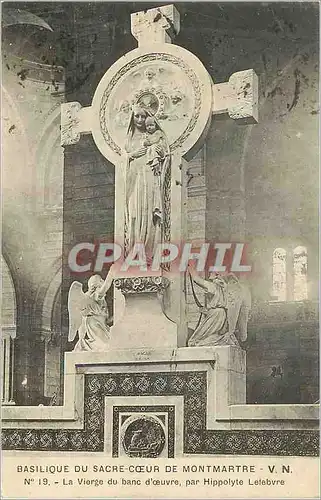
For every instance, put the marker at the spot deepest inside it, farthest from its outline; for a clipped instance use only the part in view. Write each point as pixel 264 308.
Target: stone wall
pixel 32 92
pixel 88 208
pixel 284 336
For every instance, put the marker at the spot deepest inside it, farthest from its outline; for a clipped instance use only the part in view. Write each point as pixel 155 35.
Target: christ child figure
pixel 154 142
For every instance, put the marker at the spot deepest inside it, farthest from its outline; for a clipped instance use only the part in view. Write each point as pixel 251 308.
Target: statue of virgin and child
pixel 148 158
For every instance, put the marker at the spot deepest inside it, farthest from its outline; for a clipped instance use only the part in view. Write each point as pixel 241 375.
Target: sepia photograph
pixel 160 249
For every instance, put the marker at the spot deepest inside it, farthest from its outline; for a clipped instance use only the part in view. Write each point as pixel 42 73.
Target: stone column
pixel 7 365
pixel 196 224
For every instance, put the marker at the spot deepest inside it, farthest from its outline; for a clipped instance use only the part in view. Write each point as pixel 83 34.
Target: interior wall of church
pixel 8 331
pixel 8 301
pixel 262 189
pixel 32 168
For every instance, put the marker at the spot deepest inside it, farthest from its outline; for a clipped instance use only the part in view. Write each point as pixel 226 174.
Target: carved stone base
pixel 143 323
pixel 166 403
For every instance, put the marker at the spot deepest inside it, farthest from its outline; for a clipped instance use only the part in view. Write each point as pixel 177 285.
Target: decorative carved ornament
pixel 70 123
pixel 158 91
pixel 142 284
pixel 169 81
pixel 143 436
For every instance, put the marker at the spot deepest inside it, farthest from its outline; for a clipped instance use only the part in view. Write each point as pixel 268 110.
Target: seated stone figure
pixel 224 319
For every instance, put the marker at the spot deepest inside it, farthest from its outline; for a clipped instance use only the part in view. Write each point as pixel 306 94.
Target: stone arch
pixel 52 331
pixel 20 25
pixel 49 302
pixel 45 295
pixel 6 258
pixel 9 301
pixel 11 17
pixel 9 328
pixel 14 139
pixel 41 151
pixel 49 161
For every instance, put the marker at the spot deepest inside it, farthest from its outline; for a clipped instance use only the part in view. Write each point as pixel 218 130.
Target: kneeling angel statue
pixel 224 319
pixel 88 314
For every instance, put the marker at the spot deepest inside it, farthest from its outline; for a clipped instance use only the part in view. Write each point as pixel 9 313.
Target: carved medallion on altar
pixel 143 431
pixel 143 436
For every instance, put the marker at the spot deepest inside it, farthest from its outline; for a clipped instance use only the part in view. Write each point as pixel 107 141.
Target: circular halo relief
pixel 149 101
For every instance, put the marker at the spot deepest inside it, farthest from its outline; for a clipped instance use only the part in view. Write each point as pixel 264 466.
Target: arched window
pixel 300 268
pixel 279 274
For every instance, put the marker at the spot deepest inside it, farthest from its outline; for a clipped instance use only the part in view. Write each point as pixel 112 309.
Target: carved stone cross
pixel 238 97
pixel 176 91
pixel 155 25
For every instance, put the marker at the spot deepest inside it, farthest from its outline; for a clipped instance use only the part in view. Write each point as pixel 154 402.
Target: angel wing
pixel 76 299
pixel 244 314
pixel 238 308
pixel 234 301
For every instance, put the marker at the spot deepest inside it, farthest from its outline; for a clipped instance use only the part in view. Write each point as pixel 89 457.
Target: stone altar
pixel 195 395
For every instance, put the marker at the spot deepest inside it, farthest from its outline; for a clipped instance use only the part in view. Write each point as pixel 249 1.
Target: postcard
pixel 160 168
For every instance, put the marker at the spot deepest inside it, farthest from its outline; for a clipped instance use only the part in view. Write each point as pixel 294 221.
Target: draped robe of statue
pixel 88 316
pixel 144 211
pixel 224 321
pixel 94 333
pixel 213 328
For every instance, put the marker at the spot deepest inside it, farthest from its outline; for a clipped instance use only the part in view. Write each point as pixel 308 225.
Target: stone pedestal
pixel 149 403
pixel 227 383
pixel 143 322
pixel 169 393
